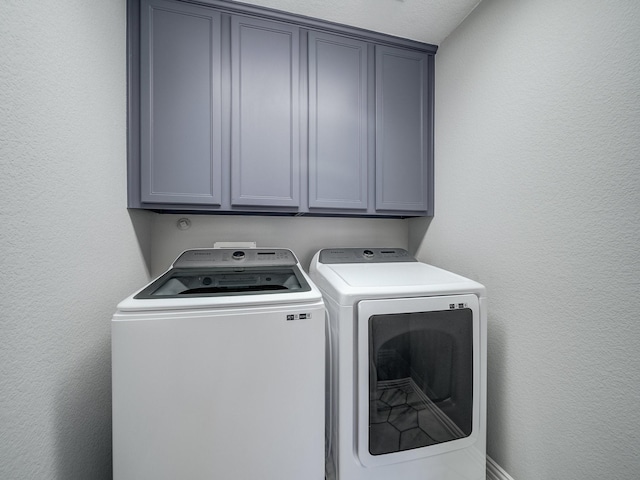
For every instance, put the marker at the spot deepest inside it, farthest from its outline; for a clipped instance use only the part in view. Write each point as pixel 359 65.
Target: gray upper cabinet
pixel 180 128
pixel 338 156
pixel 265 156
pixel 238 109
pixel 403 126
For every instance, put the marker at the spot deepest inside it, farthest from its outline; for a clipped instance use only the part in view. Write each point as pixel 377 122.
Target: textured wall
pixel 69 250
pixel 304 235
pixel 537 196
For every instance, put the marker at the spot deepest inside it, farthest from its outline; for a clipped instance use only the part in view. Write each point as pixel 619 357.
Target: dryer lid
pixel 382 267
pixel 414 274
pixel 352 274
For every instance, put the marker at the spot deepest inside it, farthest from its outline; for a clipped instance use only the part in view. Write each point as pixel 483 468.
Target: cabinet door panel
pixel 180 104
pixel 402 130
pixel 265 153
pixel 337 122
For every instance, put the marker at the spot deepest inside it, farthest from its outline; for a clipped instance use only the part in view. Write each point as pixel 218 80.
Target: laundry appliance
pixel 407 367
pixel 219 371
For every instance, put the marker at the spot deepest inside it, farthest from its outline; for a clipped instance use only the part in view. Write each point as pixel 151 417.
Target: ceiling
pixel 428 21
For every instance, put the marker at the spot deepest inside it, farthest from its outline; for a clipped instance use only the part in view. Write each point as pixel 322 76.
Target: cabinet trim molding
pixel 318 25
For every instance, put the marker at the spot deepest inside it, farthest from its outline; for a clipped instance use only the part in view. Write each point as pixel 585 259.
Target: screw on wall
pixel 184 224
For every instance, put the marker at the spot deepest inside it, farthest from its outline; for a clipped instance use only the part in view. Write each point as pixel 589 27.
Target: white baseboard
pixel 495 471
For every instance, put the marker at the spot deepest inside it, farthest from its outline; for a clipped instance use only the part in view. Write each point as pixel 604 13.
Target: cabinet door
pixel 403 130
pixel 337 122
pixel 265 157
pixel 180 147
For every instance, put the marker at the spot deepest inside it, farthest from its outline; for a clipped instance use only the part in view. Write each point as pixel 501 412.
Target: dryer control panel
pixel 364 255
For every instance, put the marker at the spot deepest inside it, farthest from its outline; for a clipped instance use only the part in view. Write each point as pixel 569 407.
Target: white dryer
pixel 407 367
pixel 219 371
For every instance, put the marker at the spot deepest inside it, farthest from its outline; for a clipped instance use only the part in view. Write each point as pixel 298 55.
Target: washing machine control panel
pixel 364 255
pixel 229 257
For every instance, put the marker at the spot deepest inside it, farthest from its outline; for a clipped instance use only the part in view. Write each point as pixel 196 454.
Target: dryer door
pixel 418 377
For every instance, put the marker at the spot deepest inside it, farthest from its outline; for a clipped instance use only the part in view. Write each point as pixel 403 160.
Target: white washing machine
pixel 407 367
pixel 219 371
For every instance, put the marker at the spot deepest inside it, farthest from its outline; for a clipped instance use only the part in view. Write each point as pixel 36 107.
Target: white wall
pixel 304 235
pixel 537 196
pixel 69 249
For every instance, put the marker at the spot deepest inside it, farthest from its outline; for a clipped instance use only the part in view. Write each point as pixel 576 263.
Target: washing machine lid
pixel 225 281
pixel 205 278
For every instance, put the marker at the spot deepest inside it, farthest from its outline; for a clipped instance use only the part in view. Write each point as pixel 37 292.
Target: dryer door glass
pixel 420 379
